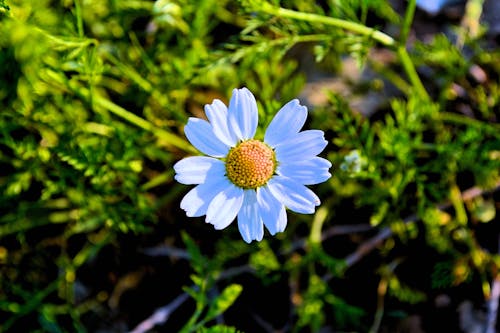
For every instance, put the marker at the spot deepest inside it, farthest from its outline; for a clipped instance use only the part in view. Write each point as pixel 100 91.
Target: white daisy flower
pixel 249 179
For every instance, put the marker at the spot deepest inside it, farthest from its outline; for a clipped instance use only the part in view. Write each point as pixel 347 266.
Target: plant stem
pixel 379 314
pixel 490 128
pixel 411 72
pixel 169 138
pixel 319 219
pixel 361 29
pixel 79 19
pixel 403 55
pixel 408 19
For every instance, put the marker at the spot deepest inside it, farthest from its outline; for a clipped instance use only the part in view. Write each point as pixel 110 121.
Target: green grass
pixel 94 97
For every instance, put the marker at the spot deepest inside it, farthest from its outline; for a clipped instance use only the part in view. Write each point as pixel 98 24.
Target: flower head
pixel 353 162
pixel 249 179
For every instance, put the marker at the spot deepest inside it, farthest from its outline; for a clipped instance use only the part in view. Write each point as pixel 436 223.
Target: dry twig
pixel 161 315
pixel 386 232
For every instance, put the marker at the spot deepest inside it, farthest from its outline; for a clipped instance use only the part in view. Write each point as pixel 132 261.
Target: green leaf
pixel 198 261
pixel 264 261
pixel 4 8
pixel 224 301
pixel 380 213
pixel 219 329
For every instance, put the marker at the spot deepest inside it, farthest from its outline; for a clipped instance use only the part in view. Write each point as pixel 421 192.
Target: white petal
pixel 196 169
pixel 249 221
pixel 201 135
pixel 242 114
pixel 286 123
pixel 271 211
pixel 196 201
pixel 307 172
pixel 217 116
pixel 293 195
pixel 225 206
pixel 302 146
pixel 281 223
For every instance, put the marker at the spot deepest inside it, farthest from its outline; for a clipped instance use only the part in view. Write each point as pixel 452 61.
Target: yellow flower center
pixel 250 164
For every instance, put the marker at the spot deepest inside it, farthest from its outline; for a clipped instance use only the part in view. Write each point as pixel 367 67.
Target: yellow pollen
pixel 250 164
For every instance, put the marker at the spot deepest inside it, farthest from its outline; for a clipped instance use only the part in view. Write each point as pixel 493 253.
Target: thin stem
pixel 379 314
pixel 361 29
pixel 408 19
pixel 411 72
pixel 470 25
pixel 284 42
pixel 65 41
pixel 335 22
pixel 190 325
pixel 386 232
pixel 31 304
pixel 392 76
pixel 161 315
pixel 131 73
pixel 490 128
pixel 79 20
pixel 319 219
pixel 169 138
pixel 403 55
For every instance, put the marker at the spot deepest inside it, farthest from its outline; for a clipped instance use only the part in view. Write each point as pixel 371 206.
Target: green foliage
pixel 317 301
pixel 405 293
pixel 264 262
pixel 94 98
pixel 219 329
pixel 204 280
pixel 223 301
pixel 311 311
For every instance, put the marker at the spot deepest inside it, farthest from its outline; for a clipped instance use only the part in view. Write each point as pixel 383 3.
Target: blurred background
pixel 95 94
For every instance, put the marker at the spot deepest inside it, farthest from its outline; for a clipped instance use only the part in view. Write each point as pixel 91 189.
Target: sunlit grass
pixel 95 95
